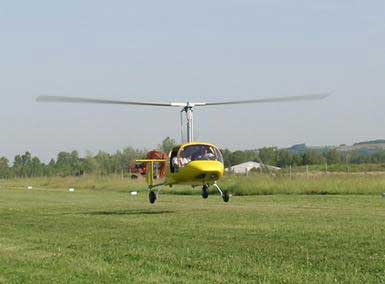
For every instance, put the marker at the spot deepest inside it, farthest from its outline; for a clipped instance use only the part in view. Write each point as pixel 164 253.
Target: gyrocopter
pixel 190 163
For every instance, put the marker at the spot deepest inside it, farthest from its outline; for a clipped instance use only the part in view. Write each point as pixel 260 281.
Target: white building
pixel 244 168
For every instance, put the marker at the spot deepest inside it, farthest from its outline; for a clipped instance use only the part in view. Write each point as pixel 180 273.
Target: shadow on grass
pixel 129 212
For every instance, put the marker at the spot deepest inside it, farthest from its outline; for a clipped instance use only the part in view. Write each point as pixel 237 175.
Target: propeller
pixel 62 99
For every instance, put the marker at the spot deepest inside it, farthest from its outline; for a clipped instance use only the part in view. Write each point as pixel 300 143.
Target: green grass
pixel 355 168
pixel 54 236
pixel 254 184
pixel 300 184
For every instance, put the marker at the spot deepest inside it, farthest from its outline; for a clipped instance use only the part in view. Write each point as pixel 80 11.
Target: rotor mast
pixel 188 109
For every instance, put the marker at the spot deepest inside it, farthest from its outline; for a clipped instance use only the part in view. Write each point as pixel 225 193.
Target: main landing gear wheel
pixel 226 196
pixel 152 197
pixel 205 191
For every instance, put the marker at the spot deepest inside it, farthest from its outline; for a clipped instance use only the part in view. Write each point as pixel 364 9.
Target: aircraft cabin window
pixel 199 153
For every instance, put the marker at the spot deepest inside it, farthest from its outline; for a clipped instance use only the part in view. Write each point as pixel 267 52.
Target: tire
pixel 205 192
pixel 152 197
pixel 226 196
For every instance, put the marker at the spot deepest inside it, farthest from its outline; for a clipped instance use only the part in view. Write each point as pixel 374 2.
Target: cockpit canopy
pixel 200 152
pixel 183 155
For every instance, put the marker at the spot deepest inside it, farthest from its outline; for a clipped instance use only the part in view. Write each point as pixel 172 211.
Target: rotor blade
pixel 60 99
pixel 268 100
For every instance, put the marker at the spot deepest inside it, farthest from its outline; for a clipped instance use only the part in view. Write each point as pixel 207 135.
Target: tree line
pixel 103 163
pixel 69 164
pixel 284 157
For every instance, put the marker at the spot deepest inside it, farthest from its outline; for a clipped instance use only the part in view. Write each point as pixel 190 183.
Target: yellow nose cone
pixel 204 171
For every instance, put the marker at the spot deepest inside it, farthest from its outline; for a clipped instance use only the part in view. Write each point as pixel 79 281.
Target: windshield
pixel 200 153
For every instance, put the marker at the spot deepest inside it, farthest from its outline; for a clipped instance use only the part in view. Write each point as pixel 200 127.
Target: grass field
pixel 254 184
pixel 54 236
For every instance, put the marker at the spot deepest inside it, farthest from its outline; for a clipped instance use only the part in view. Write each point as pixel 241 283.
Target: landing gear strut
pixel 225 194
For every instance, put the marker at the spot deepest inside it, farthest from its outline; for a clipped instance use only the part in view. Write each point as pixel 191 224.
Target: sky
pixel 190 51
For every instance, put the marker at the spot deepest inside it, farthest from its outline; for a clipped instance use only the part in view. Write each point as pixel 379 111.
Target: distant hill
pixel 368 147
pixel 373 142
pixel 365 147
pixel 303 148
pixel 298 149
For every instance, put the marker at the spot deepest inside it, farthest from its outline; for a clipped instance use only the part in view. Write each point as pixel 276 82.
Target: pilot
pixel 209 155
pixel 175 163
pixel 205 154
pixel 184 161
pixel 199 153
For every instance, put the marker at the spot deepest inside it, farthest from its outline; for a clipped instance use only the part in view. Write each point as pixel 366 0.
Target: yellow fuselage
pixel 192 164
pixel 196 173
pixel 197 170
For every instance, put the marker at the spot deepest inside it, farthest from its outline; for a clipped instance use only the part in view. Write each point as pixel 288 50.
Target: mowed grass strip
pixel 54 236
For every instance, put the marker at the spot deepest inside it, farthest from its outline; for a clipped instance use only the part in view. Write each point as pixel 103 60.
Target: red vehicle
pixel 141 169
